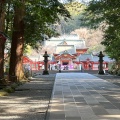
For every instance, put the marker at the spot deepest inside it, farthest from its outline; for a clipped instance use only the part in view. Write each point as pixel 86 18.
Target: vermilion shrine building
pixel 68 52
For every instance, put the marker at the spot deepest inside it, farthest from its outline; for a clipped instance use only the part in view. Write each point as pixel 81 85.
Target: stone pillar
pixel 100 68
pixel 45 72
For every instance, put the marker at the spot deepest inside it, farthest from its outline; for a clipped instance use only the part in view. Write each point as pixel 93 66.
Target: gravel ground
pixel 29 101
pixel 110 78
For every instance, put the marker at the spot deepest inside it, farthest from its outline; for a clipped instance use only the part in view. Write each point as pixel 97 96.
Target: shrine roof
pixel 85 57
pixel 105 59
pixel 66 40
pixel 84 48
pixel 65 45
pixel 78 45
pixel 66 37
pixel 38 58
pixel 90 57
pixel 65 53
pixel 65 56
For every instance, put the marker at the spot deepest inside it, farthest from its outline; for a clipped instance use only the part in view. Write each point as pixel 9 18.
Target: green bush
pixel 118 72
pixel 113 69
pixel 9 89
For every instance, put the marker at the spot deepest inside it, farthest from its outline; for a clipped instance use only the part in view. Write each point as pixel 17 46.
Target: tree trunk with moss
pixel 118 65
pixel 17 45
pixel 2 40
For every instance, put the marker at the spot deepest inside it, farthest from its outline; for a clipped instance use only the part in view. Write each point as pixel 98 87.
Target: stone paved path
pixel 81 96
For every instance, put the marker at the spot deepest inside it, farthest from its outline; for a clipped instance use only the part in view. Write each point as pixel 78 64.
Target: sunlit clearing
pixel 8 117
pixel 110 116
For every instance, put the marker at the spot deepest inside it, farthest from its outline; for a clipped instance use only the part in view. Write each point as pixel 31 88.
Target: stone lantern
pixel 100 63
pixel 45 72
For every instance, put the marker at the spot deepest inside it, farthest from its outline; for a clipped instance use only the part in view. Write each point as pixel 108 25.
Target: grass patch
pixel 9 89
pixel 3 93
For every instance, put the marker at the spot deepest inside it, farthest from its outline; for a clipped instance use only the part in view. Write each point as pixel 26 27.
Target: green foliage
pixel 95 48
pixel 76 9
pixel 28 50
pixel 114 69
pixel 40 16
pixel 108 11
pixel 9 89
pixel 112 42
pixel 32 20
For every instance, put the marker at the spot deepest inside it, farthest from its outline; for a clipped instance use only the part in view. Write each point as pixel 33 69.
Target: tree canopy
pixel 40 17
pixel 76 9
pixel 107 11
pixel 27 22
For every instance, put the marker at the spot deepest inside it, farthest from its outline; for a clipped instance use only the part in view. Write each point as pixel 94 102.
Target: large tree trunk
pixel 2 40
pixel 16 69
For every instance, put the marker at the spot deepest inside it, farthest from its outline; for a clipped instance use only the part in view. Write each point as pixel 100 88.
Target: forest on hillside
pixel 77 25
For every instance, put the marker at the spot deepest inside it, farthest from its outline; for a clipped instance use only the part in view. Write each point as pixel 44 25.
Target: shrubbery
pixel 114 69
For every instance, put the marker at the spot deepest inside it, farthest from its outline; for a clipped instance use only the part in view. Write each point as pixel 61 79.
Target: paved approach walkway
pixel 82 96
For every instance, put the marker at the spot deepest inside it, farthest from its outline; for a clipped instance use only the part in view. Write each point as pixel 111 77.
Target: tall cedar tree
pixel 17 44
pixel 2 40
pixel 20 16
